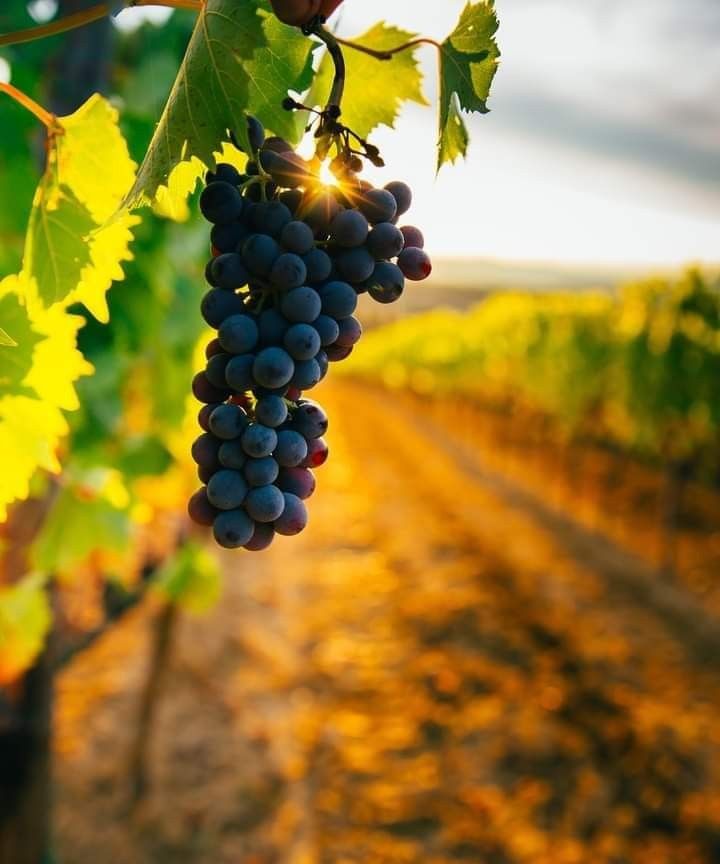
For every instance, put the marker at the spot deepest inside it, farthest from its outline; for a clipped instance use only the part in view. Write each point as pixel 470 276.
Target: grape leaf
pixel 374 89
pixel 468 63
pixel 191 578
pixel 24 623
pixel 209 96
pixel 84 517
pixel 6 341
pixel 15 365
pixel 37 381
pixel 73 249
pixel 283 63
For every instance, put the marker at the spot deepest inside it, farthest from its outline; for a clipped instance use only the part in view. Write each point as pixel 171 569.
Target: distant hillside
pixel 461 282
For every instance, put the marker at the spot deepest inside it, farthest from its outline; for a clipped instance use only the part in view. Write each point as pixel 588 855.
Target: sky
pixel 603 141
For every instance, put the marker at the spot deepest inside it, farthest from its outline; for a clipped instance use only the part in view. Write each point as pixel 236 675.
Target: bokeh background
pixel 498 640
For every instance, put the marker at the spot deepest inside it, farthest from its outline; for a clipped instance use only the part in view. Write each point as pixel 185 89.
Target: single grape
pixel 271 411
pixel 349 228
pixel 233 529
pixel 293 394
pixel 227 489
pixel 221 202
pixel 318 265
pixel 263 536
pixel 355 265
pixel 327 328
pixel 291 448
pixel 272 327
pixel 215 370
pixel 261 472
pixel 265 503
pixel 270 217
pixel 296 481
pixel 204 415
pixel 287 169
pixel 204 473
pixel 259 253
pixel 317 453
pixel 259 440
pixel 297 237
pixel 256 132
pixel 205 449
pixel 335 353
pixel 217 305
pixel 402 194
pixel 307 374
pixel 212 348
pixel 377 205
pixel 292 199
pixel 238 334
pixel 228 237
pixel 200 510
pixel 338 299
pixel 204 391
pixel 239 372
pixel 277 144
pixel 288 272
pixel 387 283
pixel 228 422
pixel 321 359
pixel 232 455
pixel 413 237
pixel 228 271
pixel 319 210
pixel 273 368
pixel 309 419
pixel 224 173
pixel 301 305
pixel 350 332
pixel 385 241
pixel 302 341
pixel 415 264
pixel 294 517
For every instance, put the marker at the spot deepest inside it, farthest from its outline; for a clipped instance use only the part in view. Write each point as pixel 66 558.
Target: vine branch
pixel 390 52
pixel 87 16
pixel 338 88
pixel 44 116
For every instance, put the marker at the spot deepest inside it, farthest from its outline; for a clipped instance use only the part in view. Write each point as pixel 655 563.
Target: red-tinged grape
pixel 200 510
pixel 317 453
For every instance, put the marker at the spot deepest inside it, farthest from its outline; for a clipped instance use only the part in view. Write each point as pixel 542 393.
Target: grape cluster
pixel 290 255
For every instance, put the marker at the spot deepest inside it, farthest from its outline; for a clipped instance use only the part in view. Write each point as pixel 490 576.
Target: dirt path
pixel 433 673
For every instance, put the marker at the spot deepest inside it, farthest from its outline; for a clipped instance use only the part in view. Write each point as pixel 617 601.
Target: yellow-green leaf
pixel 209 96
pixel 74 249
pixel 24 623
pixel 37 381
pixel 6 340
pixel 468 62
pixel 191 578
pixel 375 89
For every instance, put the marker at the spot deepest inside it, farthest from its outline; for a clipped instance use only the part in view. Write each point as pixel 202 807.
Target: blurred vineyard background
pixel 498 640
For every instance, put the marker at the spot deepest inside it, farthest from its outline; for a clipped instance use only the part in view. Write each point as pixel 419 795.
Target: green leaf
pixel 6 340
pixel 375 89
pixel 468 62
pixel 56 250
pixel 284 63
pixel 84 518
pixel 14 365
pixel 209 97
pixel 24 623
pixel 73 250
pixel 191 578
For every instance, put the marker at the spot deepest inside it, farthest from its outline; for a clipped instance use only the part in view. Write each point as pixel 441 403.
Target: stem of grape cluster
pixel 87 16
pixel 338 88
